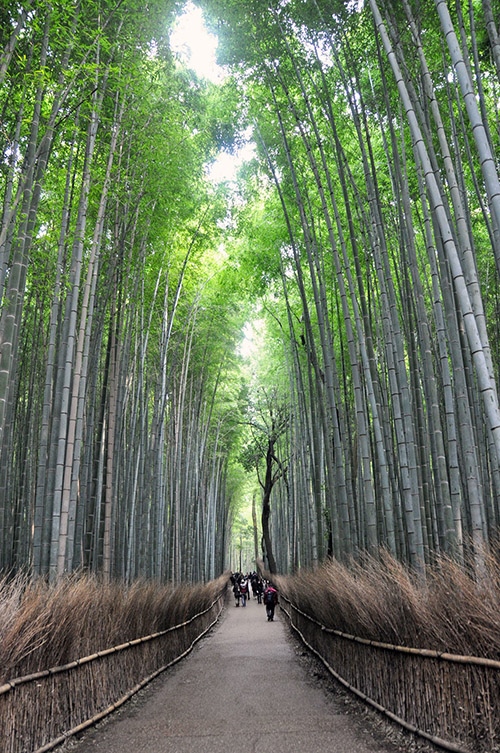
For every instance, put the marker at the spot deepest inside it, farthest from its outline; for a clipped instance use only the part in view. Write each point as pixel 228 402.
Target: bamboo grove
pixel 117 381
pixel 365 234
pixel 378 133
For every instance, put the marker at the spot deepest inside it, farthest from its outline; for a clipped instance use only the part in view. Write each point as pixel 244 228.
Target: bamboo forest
pixel 300 358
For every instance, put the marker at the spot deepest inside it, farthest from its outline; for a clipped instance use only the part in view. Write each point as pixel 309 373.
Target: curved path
pixel 242 690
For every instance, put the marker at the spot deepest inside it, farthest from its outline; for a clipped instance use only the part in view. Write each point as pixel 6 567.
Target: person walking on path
pixel 244 591
pixel 270 600
pixel 237 593
pixel 259 590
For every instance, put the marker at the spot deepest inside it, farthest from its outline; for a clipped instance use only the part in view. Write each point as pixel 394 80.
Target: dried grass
pixel 453 610
pixel 44 626
pixel 380 599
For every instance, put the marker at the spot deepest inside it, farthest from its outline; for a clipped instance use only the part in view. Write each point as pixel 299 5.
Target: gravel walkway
pixel 247 687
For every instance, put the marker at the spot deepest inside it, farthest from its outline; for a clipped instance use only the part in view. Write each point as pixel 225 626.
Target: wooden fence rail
pixel 451 700
pixel 41 710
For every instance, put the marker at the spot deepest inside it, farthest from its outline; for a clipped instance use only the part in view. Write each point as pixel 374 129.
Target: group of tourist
pixel 251 584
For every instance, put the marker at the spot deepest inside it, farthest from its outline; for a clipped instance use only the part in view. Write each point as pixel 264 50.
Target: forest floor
pixel 248 687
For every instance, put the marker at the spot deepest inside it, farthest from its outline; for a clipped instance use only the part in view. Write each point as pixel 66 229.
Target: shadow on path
pixel 242 690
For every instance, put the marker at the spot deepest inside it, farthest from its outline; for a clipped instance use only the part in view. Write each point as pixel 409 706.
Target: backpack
pixel 243 587
pixel 269 596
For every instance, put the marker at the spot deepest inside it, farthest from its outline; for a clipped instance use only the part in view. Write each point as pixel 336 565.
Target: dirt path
pixel 242 690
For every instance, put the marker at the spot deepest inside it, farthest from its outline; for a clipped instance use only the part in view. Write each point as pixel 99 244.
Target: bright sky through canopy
pixel 191 41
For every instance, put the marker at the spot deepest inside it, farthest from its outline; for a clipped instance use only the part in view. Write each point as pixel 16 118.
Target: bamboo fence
pixel 41 710
pixel 451 700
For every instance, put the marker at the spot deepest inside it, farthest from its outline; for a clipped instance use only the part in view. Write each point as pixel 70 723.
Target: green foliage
pixel 225 115
pixel 329 239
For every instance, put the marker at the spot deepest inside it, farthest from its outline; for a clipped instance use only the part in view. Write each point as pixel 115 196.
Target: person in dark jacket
pixel 258 590
pixel 237 594
pixel 270 601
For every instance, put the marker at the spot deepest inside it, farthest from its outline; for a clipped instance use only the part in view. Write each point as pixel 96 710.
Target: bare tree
pixel 268 422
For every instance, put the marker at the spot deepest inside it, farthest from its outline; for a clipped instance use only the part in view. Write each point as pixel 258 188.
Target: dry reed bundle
pixel 24 629
pixel 454 610
pixel 378 598
pixel 466 610
pixel 45 625
pixel 156 625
